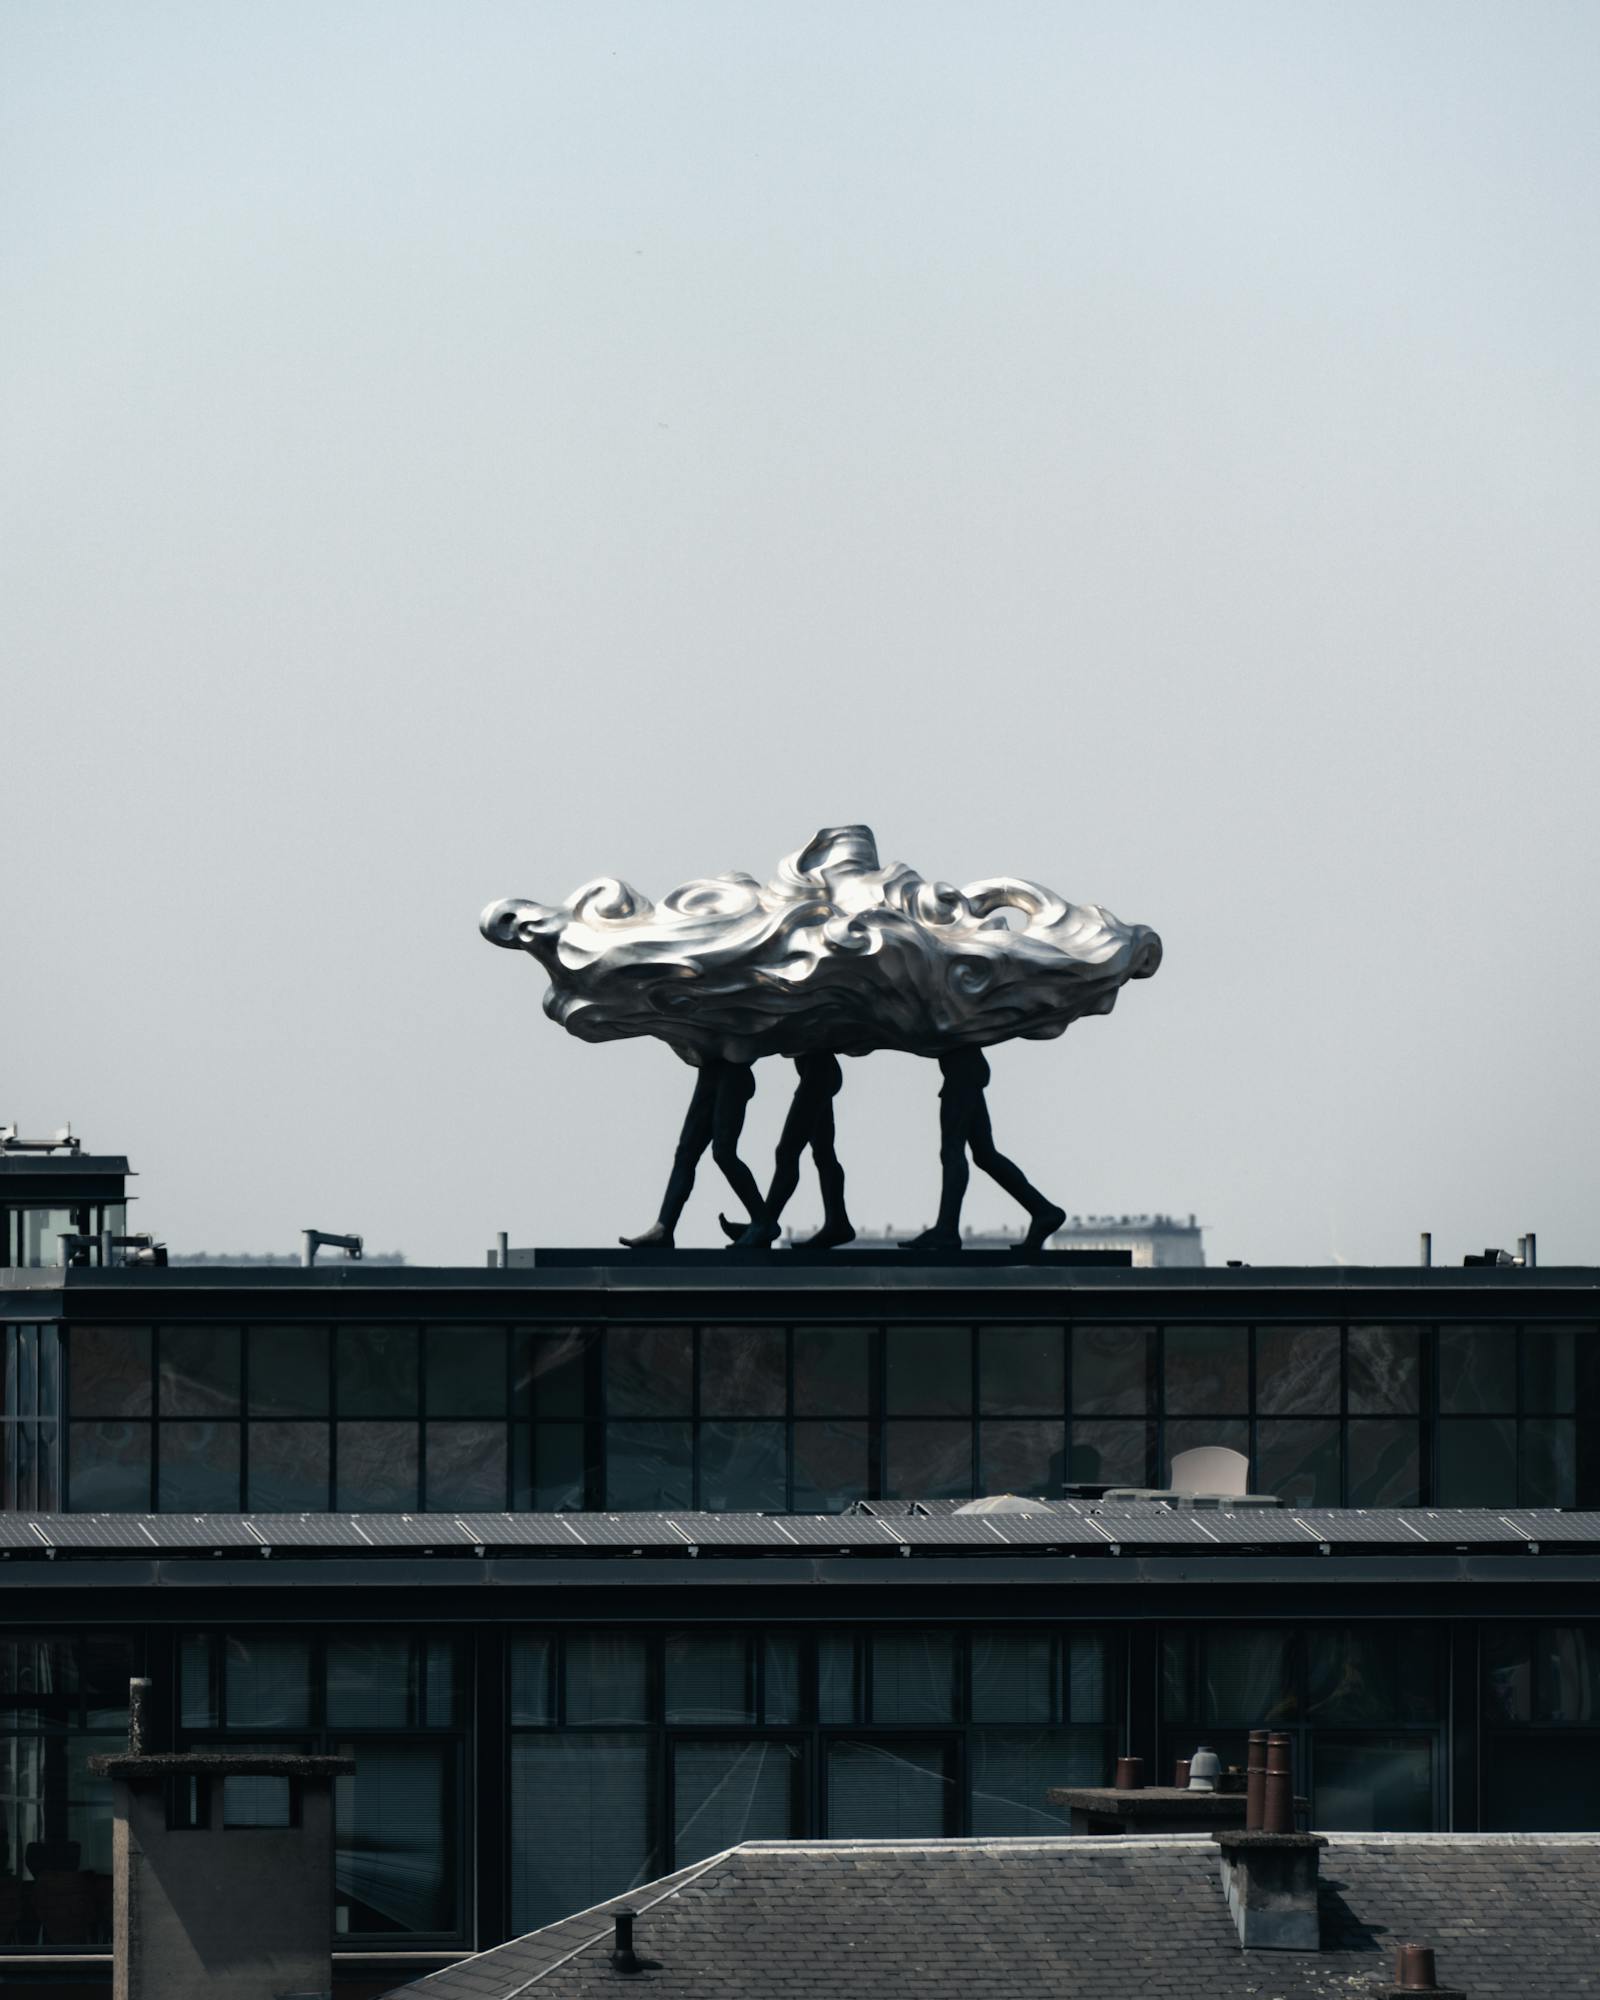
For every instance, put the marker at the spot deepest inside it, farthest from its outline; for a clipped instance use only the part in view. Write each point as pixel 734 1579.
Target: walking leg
pixel 692 1142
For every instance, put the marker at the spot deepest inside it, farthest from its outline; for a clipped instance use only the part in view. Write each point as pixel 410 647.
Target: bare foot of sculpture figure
pixel 964 1128
pixel 809 1123
pixel 715 1118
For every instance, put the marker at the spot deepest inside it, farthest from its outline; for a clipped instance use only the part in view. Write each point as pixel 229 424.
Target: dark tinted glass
pixel 1298 1459
pixel 1016 1677
pixel 533 1678
pixel 288 1371
pixel 649 1467
pixel 376 1371
pixel 727 1791
pixel 400 1791
pixel 108 1369
pixel 742 1467
pixel 371 1681
pixel 929 1370
pixel 1247 1675
pixel 466 1466
pixel 1021 1455
pixel 743 1371
pixel 900 1787
pixel 466 1371
pixel 603 1782
pixel 649 1371
pixel 1373 1783
pixel 1297 1371
pixel 1022 1370
pixel 1110 1453
pixel 1541 1784
pixel 1207 1370
pixel 1385 1370
pixel 199 1371
pixel 1549 1464
pixel 1550 1367
pixel 1477 1462
pixel 377 1468
pixel 832 1370
pixel 109 1468
pixel 1372 1673
pixel 711 1677
pixel 1110 1371
pixel 199 1469
pixel 607 1677
pixel 266 1681
pixel 927 1459
pixel 1566 1684
pixel 550 1368
pixel 549 1462
pixel 1477 1369
pixel 288 1471
pixel 914 1677
pixel 1384 1466
pixel 830 1465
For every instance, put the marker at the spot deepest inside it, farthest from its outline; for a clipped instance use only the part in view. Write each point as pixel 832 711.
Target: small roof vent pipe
pixel 1414 1973
pixel 1426 1244
pixel 624 1958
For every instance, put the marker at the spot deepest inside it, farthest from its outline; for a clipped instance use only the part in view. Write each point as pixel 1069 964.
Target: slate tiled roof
pixel 1510 1917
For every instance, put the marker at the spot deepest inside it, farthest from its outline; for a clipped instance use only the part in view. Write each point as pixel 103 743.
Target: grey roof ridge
pixel 1076 1844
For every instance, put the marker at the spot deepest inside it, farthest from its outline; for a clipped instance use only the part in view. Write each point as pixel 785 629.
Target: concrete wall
pixel 221 1913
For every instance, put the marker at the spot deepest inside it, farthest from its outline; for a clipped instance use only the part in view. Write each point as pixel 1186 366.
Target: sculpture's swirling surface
pixel 835 953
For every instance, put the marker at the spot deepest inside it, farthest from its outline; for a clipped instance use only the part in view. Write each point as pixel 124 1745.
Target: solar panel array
pixel 1067 1527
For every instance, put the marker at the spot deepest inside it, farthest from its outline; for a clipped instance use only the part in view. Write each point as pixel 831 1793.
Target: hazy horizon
pixel 451 454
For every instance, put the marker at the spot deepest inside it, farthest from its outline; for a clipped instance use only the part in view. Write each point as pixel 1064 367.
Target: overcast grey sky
pixel 453 451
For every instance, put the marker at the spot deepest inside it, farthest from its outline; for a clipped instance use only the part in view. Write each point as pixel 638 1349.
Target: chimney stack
pixel 1270 1872
pixel 624 1958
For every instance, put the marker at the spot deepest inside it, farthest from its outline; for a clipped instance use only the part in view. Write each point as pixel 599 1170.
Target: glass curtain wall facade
pixel 593 1757
pixel 463 1417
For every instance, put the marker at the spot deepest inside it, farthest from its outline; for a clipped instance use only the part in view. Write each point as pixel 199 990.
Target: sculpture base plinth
pixel 786 1258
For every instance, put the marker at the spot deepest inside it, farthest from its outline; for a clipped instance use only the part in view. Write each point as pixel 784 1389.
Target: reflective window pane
pixel 1016 1677
pixel 842 1677
pixel 1110 1454
pixel 466 1467
pixel 548 1467
pixel 1548 1474
pixel 582 1814
pixel 831 1371
pixel 377 1468
pixel 1297 1370
pixel 1022 1370
pixel 376 1371
pixel 289 1371
pixel 466 1371
pixel 1477 1369
pixel 197 1693
pixel 1206 1370
pixel 781 1691
pixel 928 1370
pixel 1507 1673
pixel 742 1467
pixel 109 1468
pixel 108 1370
pixel 550 1367
pixel 1550 1367
pixel 1384 1464
pixel 711 1677
pixel 649 1371
pixel 533 1678
pixel 1567 1674
pixel 199 1374
pixel 1089 1693
pixel 371 1681
pixel 929 1460
pixel 1373 1784
pixel 1385 1370
pixel 396 1852
pixel 288 1470
pixel 830 1466
pixel 649 1467
pixel 1111 1371
pixel 1014 1769
pixel 607 1678
pixel 913 1677
pixel 1541 1784
pixel 1247 1675
pixel 199 1469
pixel 1372 1673
pixel 1477 1462
pixel 726 1792
pixel 266 1681
pixel 1021 1455
pixel 1299 1460
pixel 743 1371
pixel 900 1788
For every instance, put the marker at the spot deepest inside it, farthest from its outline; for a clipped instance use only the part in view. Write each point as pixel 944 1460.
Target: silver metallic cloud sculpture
pixel 835 954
